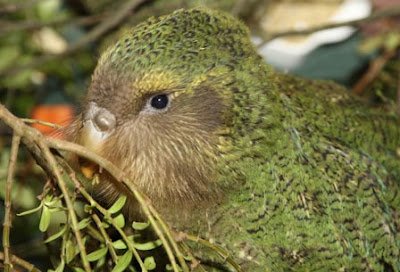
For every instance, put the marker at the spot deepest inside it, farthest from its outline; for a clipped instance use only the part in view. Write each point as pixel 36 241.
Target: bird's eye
pixel 159 102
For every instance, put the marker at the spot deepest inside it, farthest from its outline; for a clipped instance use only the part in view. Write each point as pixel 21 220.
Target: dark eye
pixel 160 101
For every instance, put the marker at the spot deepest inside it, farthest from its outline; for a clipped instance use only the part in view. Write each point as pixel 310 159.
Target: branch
pixel 10 8
pixel 373 71
pixel 32 25
pixel 40 147
pixel 28 266
pixel 71 212
pixel 222 252
pixel 40 122
pixel 398 96
pixel 7 216
pixel 385 13
pixel 110 23
pixel 36 144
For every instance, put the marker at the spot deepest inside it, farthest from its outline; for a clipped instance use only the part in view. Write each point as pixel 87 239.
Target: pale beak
pixel 98 125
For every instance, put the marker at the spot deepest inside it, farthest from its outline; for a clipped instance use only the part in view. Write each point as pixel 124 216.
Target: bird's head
pixel 160 100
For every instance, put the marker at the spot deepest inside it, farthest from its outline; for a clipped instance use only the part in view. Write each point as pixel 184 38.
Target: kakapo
pixel 286 173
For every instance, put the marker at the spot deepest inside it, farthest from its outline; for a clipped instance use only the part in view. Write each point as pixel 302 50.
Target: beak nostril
pixel 104 121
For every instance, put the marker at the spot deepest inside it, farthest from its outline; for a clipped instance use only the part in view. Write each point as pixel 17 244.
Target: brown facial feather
pixel 171 154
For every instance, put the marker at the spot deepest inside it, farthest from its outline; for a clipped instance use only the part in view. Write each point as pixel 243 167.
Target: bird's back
pixel 320 176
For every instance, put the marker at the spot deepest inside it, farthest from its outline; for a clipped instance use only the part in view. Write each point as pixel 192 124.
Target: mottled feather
pixel 288 174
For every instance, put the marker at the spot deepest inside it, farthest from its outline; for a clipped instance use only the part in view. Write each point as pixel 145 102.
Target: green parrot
pixel 285 173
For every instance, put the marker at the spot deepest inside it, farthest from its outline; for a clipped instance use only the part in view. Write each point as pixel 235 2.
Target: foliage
pixel 36 61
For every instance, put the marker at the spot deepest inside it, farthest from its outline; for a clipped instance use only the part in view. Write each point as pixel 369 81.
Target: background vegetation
pixel 48 49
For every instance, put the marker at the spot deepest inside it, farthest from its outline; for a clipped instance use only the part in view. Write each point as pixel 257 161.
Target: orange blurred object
pixel 59 114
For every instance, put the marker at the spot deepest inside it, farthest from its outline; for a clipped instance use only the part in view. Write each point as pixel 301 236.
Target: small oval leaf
pixel 150 263
pixel 120 220
pixel 123 262
pixel 44 219
pixel 96 255
pixel 140 225
pixel 117 206
pixel 148 245
pixel 119 244
pixel 60 267
pixel 71 251
pixel 84 223
pixel 56 235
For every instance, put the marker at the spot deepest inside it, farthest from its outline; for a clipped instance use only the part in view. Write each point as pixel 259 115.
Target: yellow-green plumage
pixel 297 175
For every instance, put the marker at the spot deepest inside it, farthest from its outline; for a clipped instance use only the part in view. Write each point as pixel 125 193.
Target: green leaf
pixel 148 245
pixel 140 225
pixel 78 269
pixel 120 220
pixel 50 201
pixel 117 206
pixel 150 263
pixel 119 244
pixel 123 262
pixel 84 223
pixel 60 267
pixel 70 251
pixel 48 9
pixel 371 44
pixel 87 208
pixel 44 219
pixel 392 41
pixel 56 235
pixel 96 255
pixel 8 56
pixel 100 264
pixel 31 211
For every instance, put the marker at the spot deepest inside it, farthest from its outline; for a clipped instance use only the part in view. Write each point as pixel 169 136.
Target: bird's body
pixel 287 174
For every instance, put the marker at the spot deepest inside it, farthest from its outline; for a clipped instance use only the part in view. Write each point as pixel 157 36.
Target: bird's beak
pixel 98 125
pixel 88 168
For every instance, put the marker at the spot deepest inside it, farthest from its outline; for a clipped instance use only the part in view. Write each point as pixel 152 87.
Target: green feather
pixel 310 174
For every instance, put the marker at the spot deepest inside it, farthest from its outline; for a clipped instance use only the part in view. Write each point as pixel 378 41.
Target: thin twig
pixel 195 264
pixel 373 71
pixel 39 146
pixel 120 176
pixel 107 239
pixel 85 153
pixel 169 235
pixel 7 216
pixel 21 262
pixel 103 211
pixel 111 22
pixel 155 226
pixel 398 96
pixel 71 212
pixel 11 8
pixel 384 13
pixel 36 143
pixel 225 255
pixel 95 234
pixel 40 122
pixel 32 25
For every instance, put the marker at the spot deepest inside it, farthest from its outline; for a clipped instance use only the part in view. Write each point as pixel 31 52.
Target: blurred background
pixel 49 48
